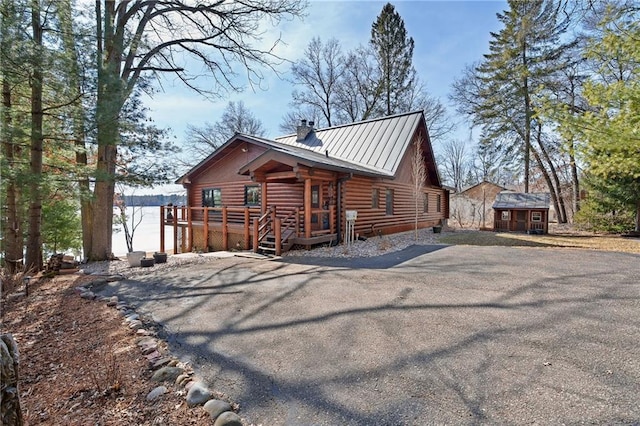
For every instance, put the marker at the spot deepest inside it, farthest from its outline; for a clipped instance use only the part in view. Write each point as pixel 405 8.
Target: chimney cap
pixel 303 122
pixel 311 123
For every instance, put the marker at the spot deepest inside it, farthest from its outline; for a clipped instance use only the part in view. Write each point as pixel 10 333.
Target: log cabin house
pixel 269 195
pixel 522 212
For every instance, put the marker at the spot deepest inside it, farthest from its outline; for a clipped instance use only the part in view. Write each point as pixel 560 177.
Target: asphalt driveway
pixel 456 335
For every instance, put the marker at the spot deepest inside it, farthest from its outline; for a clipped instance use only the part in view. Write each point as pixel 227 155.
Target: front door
pixel 521 221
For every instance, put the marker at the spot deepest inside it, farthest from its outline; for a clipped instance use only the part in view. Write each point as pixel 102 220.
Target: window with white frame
pixel 505 215
pixel 536 216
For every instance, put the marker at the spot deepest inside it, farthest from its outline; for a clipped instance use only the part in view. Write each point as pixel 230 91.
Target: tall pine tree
pixel 394 53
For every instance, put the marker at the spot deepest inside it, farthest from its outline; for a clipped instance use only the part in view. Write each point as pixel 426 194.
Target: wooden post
pixel 190 228
pixel 278 235
pixel 225 231
pixel 247 234
pixel 297 221
pixel 162 228
pixel 206 227
pixel 307 210
pixel 263 198
pixel 256 226
pixel 273 214
pixel 175 230
pixel 332 212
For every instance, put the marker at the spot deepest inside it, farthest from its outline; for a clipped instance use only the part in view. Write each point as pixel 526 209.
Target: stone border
pixel 166 368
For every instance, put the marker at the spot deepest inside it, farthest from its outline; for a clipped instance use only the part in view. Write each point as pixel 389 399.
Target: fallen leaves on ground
pixel 80 365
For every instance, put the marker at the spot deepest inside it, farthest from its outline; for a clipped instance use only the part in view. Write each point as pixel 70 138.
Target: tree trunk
pixel 78 123
pixel 547 178
pixel 562 213
pixel 34 237
pixel 109 103
pixel 11 226
pixel 10 412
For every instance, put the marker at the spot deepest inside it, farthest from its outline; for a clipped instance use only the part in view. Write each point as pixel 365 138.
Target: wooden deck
pixel 245 225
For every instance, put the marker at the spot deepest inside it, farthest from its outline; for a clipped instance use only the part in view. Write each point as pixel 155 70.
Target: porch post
pixel 225 232
pixel 278 236
pixel 206 228
pixel 256 226
pixel 175 230
pixel 162 219
pixel 263 198
pixel 307 208
pixel 246 228
pixel 190 229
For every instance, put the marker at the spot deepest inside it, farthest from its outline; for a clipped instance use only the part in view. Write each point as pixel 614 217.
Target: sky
pixel 448 36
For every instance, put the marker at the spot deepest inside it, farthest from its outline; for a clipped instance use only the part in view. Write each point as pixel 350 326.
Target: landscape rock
pixel 156 393
pixel 112 278
pixel 166 374
pixel 198 394
pixel 97 285
pixel 160 363
pixel 216 407
pixel 88 295
pixel 228 418
pixel 136 324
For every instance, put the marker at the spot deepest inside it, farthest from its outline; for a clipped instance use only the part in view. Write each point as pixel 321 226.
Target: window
pixel 252 195
pixel 425 202
pixel 375 198
pixel 389 201
pixel 438 203
pixel 315 196
pixel 212 197
pixel 505 215
pixel 536 216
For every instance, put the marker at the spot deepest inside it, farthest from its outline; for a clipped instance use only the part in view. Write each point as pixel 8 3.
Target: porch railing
pixel 280 224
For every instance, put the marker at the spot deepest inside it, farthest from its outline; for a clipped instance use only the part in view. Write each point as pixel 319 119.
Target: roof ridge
pixel 354 123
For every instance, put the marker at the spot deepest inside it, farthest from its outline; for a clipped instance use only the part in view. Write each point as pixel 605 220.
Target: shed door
pixel 521 220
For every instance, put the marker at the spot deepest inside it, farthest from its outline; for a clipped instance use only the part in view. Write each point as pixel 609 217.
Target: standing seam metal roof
pixel 377 144
pixel 519 200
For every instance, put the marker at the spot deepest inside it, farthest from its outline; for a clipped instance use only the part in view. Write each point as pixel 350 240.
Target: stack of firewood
pixel 61 263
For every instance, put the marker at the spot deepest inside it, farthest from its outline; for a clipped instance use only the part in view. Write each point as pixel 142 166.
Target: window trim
pixel 504 216
pixel 246 195
pixel 315 193
pixel 211 197
pixel 425 202
pixel 539 219
pixel 375 198
pixel 388 202
pixel 439 203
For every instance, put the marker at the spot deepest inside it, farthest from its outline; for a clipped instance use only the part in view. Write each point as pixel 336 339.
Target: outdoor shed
pixel 521 212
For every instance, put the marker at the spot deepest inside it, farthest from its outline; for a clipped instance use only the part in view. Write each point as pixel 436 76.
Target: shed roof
pixel 522 201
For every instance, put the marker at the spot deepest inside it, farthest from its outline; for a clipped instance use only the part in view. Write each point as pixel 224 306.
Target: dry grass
pixel 587 241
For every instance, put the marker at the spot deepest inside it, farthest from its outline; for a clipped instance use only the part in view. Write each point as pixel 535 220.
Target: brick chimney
pixel 303 130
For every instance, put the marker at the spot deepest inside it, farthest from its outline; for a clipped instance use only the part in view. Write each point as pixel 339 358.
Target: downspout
pixel 339 207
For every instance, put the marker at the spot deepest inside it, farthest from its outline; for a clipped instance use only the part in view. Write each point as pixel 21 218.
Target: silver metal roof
pixel 377 145
pixel 313 157
pixel 520 200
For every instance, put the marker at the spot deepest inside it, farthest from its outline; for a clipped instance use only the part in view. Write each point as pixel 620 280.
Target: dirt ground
pixel 80 364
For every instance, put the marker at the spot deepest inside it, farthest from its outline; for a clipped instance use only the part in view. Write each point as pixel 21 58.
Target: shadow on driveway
pixel 384 261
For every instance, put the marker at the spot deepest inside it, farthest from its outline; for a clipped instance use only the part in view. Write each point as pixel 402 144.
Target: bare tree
pixel 318 74
pixel 236 118
pixel 153 37
pixel 359 92
pixel 418 177
pixel 454 162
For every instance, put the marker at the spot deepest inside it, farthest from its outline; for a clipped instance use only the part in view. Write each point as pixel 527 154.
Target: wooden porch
pixel 242 228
